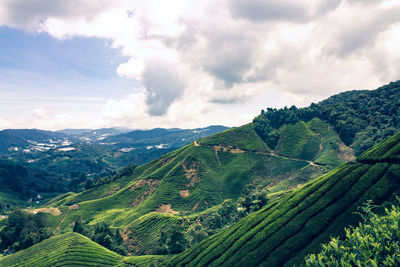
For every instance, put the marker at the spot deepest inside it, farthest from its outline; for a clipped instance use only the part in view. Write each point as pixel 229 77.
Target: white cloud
pixel 214 61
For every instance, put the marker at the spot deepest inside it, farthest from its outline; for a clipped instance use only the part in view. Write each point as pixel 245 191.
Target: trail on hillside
pixel 62 220
pixel 216 149
pixel 268 153
pixel 72 207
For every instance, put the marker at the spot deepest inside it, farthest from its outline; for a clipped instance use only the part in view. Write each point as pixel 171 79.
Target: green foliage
pixel 361 118
pixel 172 241
pixel 23 230
pixel 21 182
pixel 196 233
pixel 102 234
pixel 375 242
pixel 252 202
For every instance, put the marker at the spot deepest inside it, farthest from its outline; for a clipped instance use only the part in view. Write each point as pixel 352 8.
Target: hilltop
pixel 72 249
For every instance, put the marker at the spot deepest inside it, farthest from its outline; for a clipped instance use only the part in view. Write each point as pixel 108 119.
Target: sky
pixel 183 63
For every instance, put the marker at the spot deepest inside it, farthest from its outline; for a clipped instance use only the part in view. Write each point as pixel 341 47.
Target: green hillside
pixel 197 177
pixel 72 249
pixel 285 231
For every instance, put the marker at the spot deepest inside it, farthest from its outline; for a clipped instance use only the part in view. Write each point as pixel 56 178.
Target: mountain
pixel 286 230
pixel 175 135
pixel 89 135
pixel 281 234
pixel 19 139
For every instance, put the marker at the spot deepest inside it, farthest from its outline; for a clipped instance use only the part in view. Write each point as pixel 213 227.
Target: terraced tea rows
pixel 284 232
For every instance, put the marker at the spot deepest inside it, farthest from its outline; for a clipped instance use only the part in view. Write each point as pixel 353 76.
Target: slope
pixel 71 249
pixel 285 231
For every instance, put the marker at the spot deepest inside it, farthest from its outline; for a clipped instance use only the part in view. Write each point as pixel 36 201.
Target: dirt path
pixel 216 149
pixel 72 207
pixel 269 153
pixel 62 220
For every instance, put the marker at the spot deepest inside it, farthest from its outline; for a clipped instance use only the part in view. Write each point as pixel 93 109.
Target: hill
pixel 201 175
pixel 285 231
pixel 362 118
pixel 72 249
pixel 21 182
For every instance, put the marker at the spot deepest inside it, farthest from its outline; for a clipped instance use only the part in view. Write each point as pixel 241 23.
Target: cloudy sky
pixel 186 63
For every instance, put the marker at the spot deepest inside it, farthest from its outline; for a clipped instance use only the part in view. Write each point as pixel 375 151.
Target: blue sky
pixel 149 63
pixel 37 65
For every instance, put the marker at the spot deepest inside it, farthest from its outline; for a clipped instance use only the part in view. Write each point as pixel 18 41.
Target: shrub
pixel 373 243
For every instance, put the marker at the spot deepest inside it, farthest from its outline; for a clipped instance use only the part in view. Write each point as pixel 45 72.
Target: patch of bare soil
pixel 52 211
pixel 229 149
pixel 345 153
pixel 73 207
pixel 166 160
pixel 195 206
pixel 152 185
pixel 191 172
pixel 112 191
pixel 184 193
pixel 166 208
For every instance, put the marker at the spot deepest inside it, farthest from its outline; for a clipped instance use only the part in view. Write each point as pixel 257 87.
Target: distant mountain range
pixel 72 156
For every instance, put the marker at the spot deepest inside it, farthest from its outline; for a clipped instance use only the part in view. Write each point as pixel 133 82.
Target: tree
pixel 109 238
pixel 373 243
pixel 172 240
pixel 80 228
pixel 23 230
pixel 196 233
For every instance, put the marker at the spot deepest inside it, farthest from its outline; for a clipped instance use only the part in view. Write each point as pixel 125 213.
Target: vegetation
pixel 361 118
pixel 375 242
pixel 21 182
pixel 102 234
pixel 23 230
